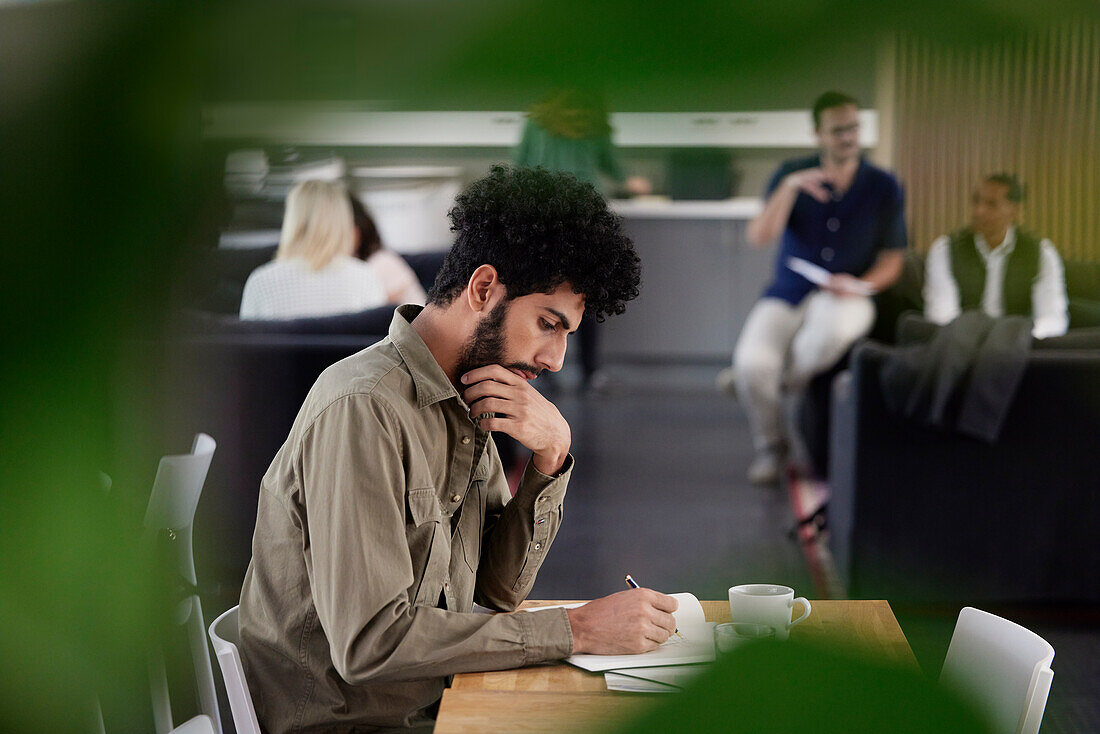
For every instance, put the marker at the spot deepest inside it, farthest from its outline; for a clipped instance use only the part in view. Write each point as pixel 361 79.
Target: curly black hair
pixel 540 229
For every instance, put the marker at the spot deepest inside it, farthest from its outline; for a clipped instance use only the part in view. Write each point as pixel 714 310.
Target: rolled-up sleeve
pixel 360 566
pixel 1049 304
pixel 941 293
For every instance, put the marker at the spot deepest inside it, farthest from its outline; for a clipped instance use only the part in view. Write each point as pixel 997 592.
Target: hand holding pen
pixel 628 622
pixel 634 585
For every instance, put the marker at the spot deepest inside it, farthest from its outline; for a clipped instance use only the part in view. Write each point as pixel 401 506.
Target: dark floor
pixel 659 492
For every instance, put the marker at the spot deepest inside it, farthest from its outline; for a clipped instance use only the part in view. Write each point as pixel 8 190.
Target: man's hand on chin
pixel 520 411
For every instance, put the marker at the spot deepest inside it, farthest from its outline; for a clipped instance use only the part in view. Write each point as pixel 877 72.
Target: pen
pixel 634 585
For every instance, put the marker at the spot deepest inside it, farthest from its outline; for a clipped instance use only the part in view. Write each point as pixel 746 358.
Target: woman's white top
pixel 399 280
pixel 290 289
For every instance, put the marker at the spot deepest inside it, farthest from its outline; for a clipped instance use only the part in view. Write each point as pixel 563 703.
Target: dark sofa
pixel 923 516
pixel 1083 290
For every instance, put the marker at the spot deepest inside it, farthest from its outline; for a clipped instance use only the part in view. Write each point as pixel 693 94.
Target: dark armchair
pixel 923 515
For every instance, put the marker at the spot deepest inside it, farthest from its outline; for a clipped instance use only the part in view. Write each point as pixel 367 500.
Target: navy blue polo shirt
pixel 843 235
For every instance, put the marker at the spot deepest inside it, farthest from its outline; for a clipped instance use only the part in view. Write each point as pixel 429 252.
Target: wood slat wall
pixel 1029 105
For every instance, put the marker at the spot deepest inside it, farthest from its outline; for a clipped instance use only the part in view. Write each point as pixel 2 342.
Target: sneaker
pixel 765 468
pixel 726 382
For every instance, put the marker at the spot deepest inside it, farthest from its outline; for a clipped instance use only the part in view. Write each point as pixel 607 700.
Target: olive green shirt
pixel 381 520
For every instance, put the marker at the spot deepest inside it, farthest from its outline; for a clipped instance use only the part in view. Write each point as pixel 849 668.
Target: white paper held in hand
pixel 820 276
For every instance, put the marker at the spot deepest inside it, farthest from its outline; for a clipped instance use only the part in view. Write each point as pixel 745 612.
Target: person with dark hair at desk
pixel 996 267
pixel 386 513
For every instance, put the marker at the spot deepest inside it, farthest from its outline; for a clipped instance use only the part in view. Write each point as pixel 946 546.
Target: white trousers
pixel 783 346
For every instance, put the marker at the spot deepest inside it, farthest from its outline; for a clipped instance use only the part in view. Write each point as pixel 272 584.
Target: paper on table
pixel 661 679
pixel 695 646
pixel 478 609
pixel 688 613
pixel 820 276
pixel 695 643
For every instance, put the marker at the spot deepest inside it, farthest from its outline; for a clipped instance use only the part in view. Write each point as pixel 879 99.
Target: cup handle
pixel 806 604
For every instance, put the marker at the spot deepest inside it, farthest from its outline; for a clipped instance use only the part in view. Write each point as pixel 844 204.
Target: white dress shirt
pixel 1048 293
pixel 290 289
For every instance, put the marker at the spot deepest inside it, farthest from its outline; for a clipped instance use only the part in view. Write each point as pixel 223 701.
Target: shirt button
pixel 833 224
pixel 465 440
pixel 538 546
pixel 456 498
pixel 827 254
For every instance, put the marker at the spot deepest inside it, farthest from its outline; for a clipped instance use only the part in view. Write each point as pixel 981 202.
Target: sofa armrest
pixel 843 450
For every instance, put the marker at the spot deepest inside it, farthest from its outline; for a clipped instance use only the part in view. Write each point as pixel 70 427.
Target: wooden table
pixel 561 698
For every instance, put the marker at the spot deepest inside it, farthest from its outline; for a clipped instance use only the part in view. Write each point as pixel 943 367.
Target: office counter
pixel 700 277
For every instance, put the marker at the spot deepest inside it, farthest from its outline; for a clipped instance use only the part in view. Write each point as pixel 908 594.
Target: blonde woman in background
pixel 399 280
pixel 314 272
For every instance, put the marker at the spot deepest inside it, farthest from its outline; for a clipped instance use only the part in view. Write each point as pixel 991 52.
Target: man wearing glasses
pixel 835 211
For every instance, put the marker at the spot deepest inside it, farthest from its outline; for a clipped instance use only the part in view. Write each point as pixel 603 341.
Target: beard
pixel 486 346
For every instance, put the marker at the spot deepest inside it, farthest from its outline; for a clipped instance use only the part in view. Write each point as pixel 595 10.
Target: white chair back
pixel 225 635
pixel 175 496
pixel 198 725
pixel 172 503
pixel 1001 668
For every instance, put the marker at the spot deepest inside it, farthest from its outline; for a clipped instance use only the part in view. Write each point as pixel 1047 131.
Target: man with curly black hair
pixel 540 229
pixel 386 513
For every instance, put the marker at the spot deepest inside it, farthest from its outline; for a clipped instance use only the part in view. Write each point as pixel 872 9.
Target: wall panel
pixel 1026 104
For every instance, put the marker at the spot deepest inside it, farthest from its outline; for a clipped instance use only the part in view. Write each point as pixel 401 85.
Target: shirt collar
pixel 428 377
pixel 861 170
pixel 1003 250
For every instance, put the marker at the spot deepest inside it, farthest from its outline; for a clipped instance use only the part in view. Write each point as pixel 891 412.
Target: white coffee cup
pixel 767 604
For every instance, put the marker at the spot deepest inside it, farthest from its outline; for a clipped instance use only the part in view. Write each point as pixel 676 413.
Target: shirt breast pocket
pixel 423 507
pixel 426 539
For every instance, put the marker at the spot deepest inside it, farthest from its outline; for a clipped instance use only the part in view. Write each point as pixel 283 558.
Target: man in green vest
pixel 996 267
